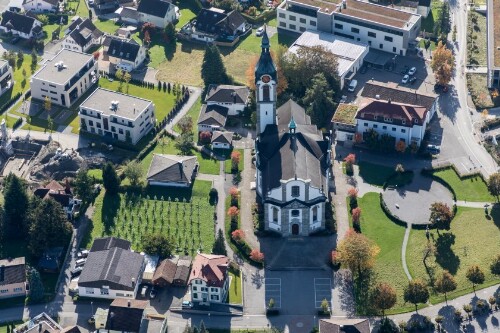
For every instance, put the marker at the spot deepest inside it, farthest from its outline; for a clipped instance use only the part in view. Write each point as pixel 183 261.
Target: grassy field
pixel 469 189
pixel 478 55
pixel 96 174
pixel 183 214
pixel 108 26
pixel 374 174
pixel 472 240
pixel 235 289
pixel 20 83
pixel 194 113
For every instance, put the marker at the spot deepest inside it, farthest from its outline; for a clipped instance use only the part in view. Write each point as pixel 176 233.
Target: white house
pixel 13 281
pixel 41 6
pixel 381 27
pixel 234 98
pixel 212 118
pixel 158 12
pixel 6 81
pixel 111 271
pixel 64 78
pixel 172 170
pixel 84 36
pixel 209 279
pixel 21 25
pixel 126 54
pixel 117 116
pixel 222 140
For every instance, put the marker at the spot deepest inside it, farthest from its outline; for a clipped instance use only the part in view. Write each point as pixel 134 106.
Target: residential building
pixel 40 323
pixel 61 194
pixel 111 271
pixel 234 98
pixel 126 54
pixel 381 27
pixel 222 140
pixel 172 170
pixel 158 12
pixel 344 123
pixel 173 271
pixel 6 81
pixel 151 261
pixel 125 315
pixel 212 118
pixel 83 36
pixel 117 116
pixel 41 6
pixel 128 15
pixel 493 37
pixel 209 280
pixel 64 78
pixel 344 325
pixel 21 25
pixel 12 278
pixel 292 158
pixel 349 53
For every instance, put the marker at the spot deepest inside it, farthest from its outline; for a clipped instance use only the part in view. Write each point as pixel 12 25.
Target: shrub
pixel 238 235
pixel 205 137
pixel 257 256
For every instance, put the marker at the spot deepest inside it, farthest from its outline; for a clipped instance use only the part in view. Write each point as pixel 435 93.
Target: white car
pixel 259 32
pixel 412 71
pixel 405 78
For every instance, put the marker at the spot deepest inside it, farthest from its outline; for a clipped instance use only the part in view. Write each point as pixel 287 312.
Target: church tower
pixel 266 80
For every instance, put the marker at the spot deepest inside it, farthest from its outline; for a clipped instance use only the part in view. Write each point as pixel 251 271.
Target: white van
pixel 352 85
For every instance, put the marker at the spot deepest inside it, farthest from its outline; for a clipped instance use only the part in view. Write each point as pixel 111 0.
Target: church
pixel 293 159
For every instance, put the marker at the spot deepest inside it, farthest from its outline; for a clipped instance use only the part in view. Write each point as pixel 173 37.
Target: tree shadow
pixel 109 211
pixel 445 256
pixel 363 285
pixel 169 50
pixel 449 323
pixel 495 214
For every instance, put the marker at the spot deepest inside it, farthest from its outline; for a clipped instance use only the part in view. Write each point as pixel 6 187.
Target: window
pixel 89 291
pixel 282 15
pixel 315 213
pixel 44 90
pixel 403 121
pixel 394 50
pixel 394 129
pixel 3 291
pixel 120 131
pixel 214 297
pixel 403 130
pixel 293 27
pixel 375 126
pixel 292 18
pixel 266 93
pixel 366 124
pixel 98 125
pixel 384 127
pixel 295 212
pixel 313 23
pixel 204 289
pixel 113 129
pixel 283 24
pixel 195 295
pixel 355 30
pixel 213 290
pixel 302 20
pixel 275 214
pixel 295 191
pixel 91 123
pixel 104 291
pixel 369 43
pixel 197 282
pixel 18 289
pixel 416 121
pixel 302 29
pixel 388 38
pixel 339 26
pixel 195 288
pixel 388 119
pixel 381 46
pixel 372 34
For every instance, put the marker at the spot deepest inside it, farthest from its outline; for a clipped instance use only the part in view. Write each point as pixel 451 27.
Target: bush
pixel 388 326
pixel 18 123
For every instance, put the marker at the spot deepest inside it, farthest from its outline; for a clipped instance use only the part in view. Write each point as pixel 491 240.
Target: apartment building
pixel 117 116
pixel 5 76
pixel 64 78
pixel 381 27
pixel 209 279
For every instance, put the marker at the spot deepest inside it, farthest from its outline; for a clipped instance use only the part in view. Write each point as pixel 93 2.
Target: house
pixel 64 78
pixel 117 116
pixel 493 38
pixel 293 159
pixel 126 54
pixel 111 271
pixel 40 323
pixel 12 278
pixel 344 123
pixel 50 261
pixel 349 53
pixel 173 271
pixel 344 325
pixel 41 6
pixel 128 15
pixel 172 170
pixel 222 140
pixel 158 12
pixel 381 27
pixel 209 280
pixel 6 81
pixel 21 25
pixel 150 267
pixel 125 315
pixel 106 6
pixel 61 194
pixel 84 36
pixel 235 98
pixel 212 118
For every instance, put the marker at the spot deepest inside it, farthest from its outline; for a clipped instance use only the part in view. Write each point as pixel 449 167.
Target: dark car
pixel 76 271
pixel 405 70
pixel 433 149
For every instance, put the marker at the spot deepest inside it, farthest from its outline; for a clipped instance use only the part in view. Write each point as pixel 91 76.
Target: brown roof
pixel 398 94
pixel 213 115
pixel 323 5
pixel 12 271
pixel 371 108
pixel 125 315
pixel 222 137
pixel 344 326
pixel 375 13
pixel 166 271
pixel 210 268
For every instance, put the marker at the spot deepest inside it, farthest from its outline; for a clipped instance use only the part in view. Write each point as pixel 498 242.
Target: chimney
pixel 128 303
pixel 377 96
pixel 389 101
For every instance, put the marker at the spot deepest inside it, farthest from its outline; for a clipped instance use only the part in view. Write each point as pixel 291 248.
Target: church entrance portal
pixel 295 229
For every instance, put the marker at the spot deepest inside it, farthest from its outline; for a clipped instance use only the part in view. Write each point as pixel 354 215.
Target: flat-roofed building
pixel 117 116
pixel 493 36
pixel 64 78
pixel 5 76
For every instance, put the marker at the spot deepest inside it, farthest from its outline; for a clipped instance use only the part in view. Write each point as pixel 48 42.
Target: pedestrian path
pixel 470 204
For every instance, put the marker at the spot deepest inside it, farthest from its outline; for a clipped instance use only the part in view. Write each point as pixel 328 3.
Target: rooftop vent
pixel 377 96
pixel 60 65
pixel 114 105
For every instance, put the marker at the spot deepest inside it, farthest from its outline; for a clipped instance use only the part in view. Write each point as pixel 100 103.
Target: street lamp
pixel 92 308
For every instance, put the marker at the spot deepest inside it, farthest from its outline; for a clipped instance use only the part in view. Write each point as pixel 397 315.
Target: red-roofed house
pixel 209 280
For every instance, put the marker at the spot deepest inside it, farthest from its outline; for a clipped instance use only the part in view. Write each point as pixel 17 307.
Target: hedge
pixel 264 17
pixel 18 123
pixel 388 213
pixel 9 103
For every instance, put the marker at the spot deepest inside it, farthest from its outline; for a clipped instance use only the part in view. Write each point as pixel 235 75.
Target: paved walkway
pixel 403 251
pixel 460 203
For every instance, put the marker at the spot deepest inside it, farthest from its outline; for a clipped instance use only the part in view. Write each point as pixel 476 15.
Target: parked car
pixel 187 304
pixel 144 290
pixel 83 254
pixel 433 149
pixel 405 78
pixel 152 293
pixel 412 80
pixel 80 262
pixel 352 85
pixel 404 70
pixel 259 32
pixel 76 271
pixel 412 71
pixel 91 3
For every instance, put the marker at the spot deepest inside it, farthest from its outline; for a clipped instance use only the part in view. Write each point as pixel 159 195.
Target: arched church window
pixel 295 212
pixel 266 93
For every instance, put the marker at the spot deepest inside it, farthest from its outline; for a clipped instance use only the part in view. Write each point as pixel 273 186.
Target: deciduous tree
pixel 494 185
pixel 441 215
pixel 443 64
pixel 83 185
pixel 495 265
pixel 357 252
pixel 47 104
pixel 186 125
pixel 238 235
pixel 416 292
pixel 158 244
pixel 184 143
pixel 445 283
pixel 356 214
pixel 318 100
pixel 383 297
pixel 233 212
pixel 110 178
pixel 205 137
pixel 235 159
pixel 475 275
pixel 401 146
pixel 133 171
pixel 257 256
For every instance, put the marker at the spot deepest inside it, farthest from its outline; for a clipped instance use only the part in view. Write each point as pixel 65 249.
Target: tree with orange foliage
pixel 357 252
pixel 358 137
pixel 352 192
pixel 238 235
pixel 401 146
pixel 257 256
pixel 443 64
pixel 233 212
pixel 356 214
pixel 235 160
pixel 350 159
pixel 234 192
pixel 282 79
pixel 96 55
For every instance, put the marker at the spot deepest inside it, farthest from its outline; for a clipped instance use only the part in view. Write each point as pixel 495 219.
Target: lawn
pixel 188 11
pixel 82 10
pixel 10 121
pixel 389 237
pixel 477 54
pixel 374 174
pixel 49 29
pixel 235 289
pixel 3 327
pixel 469 189
pixel 481 96
pixel 96 174
pixel 194 113
pixel 20 83
pixel 185 215
pixel 108 26
pixel 228 163
pixel 472 240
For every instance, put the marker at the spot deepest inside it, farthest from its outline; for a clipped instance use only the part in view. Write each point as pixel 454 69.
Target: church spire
pixel 265 65
pixel 265 41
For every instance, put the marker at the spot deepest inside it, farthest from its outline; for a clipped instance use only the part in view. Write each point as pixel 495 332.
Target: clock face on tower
pixel 266 78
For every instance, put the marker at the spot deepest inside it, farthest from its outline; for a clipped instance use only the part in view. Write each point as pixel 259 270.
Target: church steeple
pixel 265 65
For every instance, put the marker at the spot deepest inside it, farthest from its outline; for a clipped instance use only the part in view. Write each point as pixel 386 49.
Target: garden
pixel 476 39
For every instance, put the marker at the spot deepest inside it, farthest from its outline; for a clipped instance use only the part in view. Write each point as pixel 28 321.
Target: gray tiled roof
pixel 12 271
pixel 18 22
pixel 84 32
pixel 126 49
pixel 213 115
pixel 158 8
pixel 222 137
pixel 125 315
pixel 172 168
pixel 227 94
pixel 106 243
pixel 73 61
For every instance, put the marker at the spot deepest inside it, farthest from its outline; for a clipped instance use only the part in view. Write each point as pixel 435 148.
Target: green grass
pixel 108 26
pixel 82 10
pixel 478 55
pixel 187 15
pixel 49 29
pixel 235 289
pixel 432 47
pixel 10 121
pixel 469 189
pixel 3 327
pixel 20 84
pixel 472 240
pixel 189 220
pixel 194 113
pixel 374 174
pixel 96 174
pixel 429 21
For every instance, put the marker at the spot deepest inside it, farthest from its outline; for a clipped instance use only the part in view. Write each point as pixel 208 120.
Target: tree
pixel 158 244
pixel 357 252
pixel 325 307
pixel 238 235
pixel 443 64
pixel 110 178
pixel 119 75
pixel 352 192
pixel 495 266
pixel 96 55
pixel 170 33
pixel 49 225
pixel 233 212
pixel 16 203
pixel 257 256
pixel 318 100
pixel 83 185
pixel 350 159
pixel 235 160
pixel 219 246
pixel 50 124
pixel 401 146
pixel 383 297
pixel 37 290
pixel 127 77
pixel 416 292
pixel 44 19
pixel 356 214
pixel 441 215
pixel 47 104
pixel 186 125
pixel 213 70
pixel 475 275
pixel 133 171
pixel 227 5
pixel 445 283
pixel 494 185
pixel 205 137
pixel 184 143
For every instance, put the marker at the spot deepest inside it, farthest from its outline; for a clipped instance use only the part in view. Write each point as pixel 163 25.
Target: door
pixel 295 229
